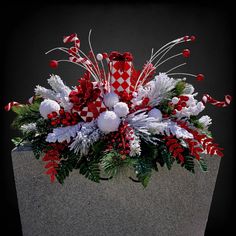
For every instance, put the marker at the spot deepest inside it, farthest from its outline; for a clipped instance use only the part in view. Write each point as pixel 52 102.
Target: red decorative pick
pixel 53 64
pixel 200 77
pixel 186 53
pixel 192 38
pixel 186 38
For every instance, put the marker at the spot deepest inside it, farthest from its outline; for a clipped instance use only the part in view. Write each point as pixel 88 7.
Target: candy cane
pixel 81 60
pixel 207 98
pixel 10 105
pixel 31 99
pixel 72 38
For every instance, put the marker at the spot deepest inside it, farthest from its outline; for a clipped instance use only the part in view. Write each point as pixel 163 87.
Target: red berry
pixel 179 107
pixel 186 38
pixel 104 55
pixel 183 104
pixel 64 121
pixel 54 114
pixel 61 111
pixel 186 53
pixel 50 116
pixel 145 101
pixel 53 122
pixel 200 77
pixel 173 112
pixel 192 38
pixel 185 98
pixel 53 64
pixel 75 114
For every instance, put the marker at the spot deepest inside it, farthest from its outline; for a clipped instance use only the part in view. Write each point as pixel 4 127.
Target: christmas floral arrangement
pixel 117 116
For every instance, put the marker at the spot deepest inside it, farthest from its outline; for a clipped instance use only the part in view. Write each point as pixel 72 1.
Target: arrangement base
pixel 175 202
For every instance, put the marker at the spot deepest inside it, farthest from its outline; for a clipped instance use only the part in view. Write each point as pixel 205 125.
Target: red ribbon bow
pixel 116 56
pixel 85 97
pixel 121 58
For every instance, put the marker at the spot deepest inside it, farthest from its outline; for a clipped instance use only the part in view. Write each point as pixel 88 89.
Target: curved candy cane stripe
pixel 10 105
pixel 31 99
pixel 80 60
pixel 207 98
pixel 72 38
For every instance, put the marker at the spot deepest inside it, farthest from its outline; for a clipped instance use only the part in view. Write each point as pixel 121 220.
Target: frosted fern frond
pixel 63 134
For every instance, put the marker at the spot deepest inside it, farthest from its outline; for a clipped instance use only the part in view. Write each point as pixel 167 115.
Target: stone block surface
pixel 175 203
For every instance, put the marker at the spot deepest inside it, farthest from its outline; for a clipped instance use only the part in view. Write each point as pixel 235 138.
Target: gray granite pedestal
pixel 175 202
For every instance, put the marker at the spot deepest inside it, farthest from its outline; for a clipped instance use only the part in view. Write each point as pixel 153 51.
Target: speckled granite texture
pixel 175 203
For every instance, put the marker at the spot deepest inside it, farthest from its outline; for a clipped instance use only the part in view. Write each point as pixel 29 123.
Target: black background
pixel 27 31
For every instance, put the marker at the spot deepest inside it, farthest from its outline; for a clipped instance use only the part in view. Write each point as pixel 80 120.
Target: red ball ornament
pixel 200 77
pixel 53 64
pixel 192 38
pixel 186 53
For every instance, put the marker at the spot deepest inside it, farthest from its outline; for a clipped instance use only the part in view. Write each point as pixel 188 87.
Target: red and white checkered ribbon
pixel 72 38
pixel 87 115
pixel 120 80
pixel 10 105
pixel 207 98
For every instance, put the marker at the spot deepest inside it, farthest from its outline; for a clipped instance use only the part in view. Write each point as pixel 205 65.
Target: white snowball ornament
pixel 48 106
pixel 155 113
pixel 99 57
pixel 175 100
pixel 108 121
pixel 121 109
pixel 110 99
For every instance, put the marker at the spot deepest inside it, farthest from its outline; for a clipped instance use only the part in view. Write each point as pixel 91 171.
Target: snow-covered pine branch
pixel 59 92
pixel 58 86
pixel 85 138
pixel 169 127
pixel 140 121
pixel 45 93
pixel 156 90
pixel 159 88
pixel 27 128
